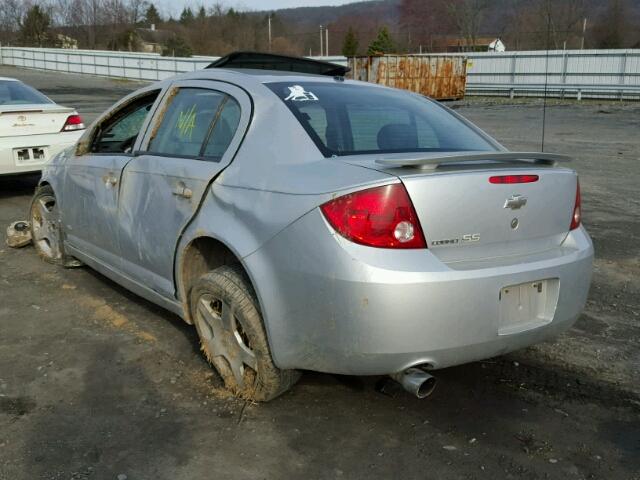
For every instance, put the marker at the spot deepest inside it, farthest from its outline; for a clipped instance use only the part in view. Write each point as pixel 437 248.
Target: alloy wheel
pixel 225 338
pixel 45 226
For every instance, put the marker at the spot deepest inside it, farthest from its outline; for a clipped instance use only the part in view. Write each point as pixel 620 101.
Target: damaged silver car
pixel 305 221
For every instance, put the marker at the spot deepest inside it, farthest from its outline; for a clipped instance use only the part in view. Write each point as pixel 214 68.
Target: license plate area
pixel 28 155
pixel 527 305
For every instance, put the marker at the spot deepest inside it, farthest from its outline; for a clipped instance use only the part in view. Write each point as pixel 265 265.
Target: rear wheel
pixel 232 336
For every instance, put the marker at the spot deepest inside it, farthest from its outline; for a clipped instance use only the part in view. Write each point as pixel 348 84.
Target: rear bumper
pixel 54 143
pixel 334 306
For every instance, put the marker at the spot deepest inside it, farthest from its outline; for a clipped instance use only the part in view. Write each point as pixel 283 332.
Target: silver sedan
pixel 304 221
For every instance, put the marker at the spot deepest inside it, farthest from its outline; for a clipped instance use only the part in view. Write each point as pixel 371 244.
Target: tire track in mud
pixel 558 383
pixel 102 312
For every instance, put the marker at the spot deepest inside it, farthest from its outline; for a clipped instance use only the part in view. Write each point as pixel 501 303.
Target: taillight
pixel 74 122
pixel 381 217
pixel 576 219
pixel 508 179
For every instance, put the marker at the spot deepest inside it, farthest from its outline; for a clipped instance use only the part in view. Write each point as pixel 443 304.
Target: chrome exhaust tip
pixel 416 381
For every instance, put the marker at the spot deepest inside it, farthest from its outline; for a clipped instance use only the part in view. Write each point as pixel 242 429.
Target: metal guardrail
pixel 133 66
pixel 129 65
pixel 621 92
pixel 579 73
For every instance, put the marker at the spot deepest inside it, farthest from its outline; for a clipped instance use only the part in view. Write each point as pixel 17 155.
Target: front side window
pixel 197 122
pixel 348 119
pixel 118 134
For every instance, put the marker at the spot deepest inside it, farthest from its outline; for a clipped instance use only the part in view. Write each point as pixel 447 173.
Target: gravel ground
pixel 96 383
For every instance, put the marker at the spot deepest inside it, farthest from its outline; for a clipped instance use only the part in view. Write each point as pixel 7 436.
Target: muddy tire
pixel 46 229
pixel 227 316
pixel 45 226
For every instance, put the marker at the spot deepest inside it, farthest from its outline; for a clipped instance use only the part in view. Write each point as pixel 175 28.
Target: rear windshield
pixel 347 119
pixel 17 93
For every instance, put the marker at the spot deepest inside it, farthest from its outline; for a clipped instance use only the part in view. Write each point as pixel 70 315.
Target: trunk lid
pixel 465 217
pixel 17 120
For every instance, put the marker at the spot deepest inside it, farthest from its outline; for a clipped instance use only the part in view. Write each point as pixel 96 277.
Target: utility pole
pixel 326 34
pixel 321 42
pixel 584 29
pixel 269 22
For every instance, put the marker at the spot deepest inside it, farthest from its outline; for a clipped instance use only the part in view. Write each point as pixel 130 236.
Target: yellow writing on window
pixel 186 123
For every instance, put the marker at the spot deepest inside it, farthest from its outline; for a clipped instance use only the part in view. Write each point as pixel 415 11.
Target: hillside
pixel 423 23
pixel 385 10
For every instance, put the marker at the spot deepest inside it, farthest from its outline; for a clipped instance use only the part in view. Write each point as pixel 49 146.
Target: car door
pixel 91 189
pixel 192 138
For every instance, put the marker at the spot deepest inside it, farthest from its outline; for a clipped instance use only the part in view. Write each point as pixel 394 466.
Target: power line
pixel 546 82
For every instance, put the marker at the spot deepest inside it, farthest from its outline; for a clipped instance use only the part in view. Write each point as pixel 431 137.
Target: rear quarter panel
pixel 277 176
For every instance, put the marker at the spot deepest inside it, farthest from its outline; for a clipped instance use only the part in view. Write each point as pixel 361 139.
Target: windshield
pixel 17 93
pixel 347 119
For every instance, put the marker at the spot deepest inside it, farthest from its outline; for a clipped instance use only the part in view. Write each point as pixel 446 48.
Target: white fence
pixel 578 73
pixel 133 66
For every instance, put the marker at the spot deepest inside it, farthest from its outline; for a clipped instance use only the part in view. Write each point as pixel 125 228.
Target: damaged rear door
pixel 192 138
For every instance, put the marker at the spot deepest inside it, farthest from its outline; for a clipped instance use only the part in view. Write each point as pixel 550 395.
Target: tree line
pixel 420 25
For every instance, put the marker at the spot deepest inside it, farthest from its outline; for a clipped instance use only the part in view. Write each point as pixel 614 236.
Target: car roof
pixel 262 73
pixel 8 79
pixel 268 76
pixel 250 78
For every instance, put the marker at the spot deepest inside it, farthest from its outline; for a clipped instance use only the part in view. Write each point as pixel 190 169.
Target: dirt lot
pixel 96 383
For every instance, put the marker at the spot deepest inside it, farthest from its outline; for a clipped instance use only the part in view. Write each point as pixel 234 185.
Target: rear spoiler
pixel 270 61
pixel 16 109
pixel 431 160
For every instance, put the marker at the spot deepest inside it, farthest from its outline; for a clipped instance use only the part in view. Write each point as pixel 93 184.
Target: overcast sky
pixel 174 7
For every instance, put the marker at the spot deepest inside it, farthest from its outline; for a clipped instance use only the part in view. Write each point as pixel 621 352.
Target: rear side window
pixel 225 129
pixel 348 119
pixel 197 122
pixel 17 93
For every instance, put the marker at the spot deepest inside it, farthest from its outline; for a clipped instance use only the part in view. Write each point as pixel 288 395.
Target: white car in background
pixel 33 128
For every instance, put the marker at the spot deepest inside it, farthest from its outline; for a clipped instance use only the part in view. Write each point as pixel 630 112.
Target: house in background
pixel 151 40
pixel 481 44
pixel 65 41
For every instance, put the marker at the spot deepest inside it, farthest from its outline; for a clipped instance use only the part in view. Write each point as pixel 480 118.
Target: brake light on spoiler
pixel 511 179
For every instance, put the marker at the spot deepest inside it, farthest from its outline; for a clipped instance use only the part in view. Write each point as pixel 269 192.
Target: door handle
pixel 181 190
pixel 110 180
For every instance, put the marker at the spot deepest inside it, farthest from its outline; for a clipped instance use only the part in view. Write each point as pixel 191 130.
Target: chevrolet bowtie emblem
pixel 515 202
